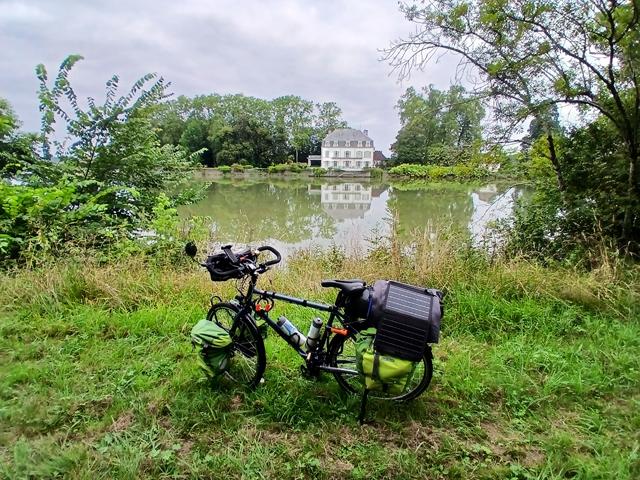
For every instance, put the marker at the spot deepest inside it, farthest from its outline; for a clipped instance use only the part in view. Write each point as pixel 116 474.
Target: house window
pixel 359 154
pixel 347 154
pixel 335 154
pixel 335 164
pixel 367 154
pixel 358 164
pixel 347 163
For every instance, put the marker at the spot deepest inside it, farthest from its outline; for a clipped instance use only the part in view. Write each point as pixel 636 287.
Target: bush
pixel 437 172
pixel 45 221
pixel 236 167
pixel 224 168
pixel 319 171
pixel 286 167
pixel 376 172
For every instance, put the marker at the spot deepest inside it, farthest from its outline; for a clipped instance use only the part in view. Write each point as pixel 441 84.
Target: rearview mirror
pixel 191 249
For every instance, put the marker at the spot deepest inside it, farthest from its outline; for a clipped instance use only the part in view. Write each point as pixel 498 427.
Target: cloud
pixel 322 51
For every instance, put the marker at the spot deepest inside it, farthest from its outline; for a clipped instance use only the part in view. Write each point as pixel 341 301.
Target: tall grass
pixel 536 375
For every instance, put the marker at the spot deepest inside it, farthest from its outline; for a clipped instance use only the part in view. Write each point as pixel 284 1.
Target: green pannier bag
pixel 381 372
pixel 214 344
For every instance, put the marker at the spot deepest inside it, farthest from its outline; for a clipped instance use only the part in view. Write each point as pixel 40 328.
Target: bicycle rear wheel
pixel 342 354
pixel 248 357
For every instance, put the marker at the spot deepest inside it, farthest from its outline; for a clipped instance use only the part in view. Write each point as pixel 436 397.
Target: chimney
pixel 366 132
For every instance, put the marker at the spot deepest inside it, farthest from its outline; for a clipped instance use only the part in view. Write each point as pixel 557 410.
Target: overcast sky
pixel 321 50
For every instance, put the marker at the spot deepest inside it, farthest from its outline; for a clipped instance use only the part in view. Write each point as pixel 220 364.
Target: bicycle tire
pixel 352 384
pixel 249 358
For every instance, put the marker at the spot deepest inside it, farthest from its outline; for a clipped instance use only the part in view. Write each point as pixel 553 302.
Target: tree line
pixel 239 129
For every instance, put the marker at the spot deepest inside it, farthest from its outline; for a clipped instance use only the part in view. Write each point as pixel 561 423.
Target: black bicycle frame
pixel 248 307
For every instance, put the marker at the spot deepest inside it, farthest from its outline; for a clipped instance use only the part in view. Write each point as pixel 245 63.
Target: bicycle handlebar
pixel 241 264
pixel 268 248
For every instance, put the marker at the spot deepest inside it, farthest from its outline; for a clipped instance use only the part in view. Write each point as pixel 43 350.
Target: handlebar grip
pixel 278 258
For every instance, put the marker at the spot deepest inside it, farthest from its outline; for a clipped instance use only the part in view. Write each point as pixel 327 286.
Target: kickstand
pixel 363 406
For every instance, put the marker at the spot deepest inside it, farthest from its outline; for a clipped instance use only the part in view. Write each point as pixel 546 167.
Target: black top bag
pixel 407 318
pixel 222 269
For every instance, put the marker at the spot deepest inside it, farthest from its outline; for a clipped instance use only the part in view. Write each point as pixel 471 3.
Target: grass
pixel 537 376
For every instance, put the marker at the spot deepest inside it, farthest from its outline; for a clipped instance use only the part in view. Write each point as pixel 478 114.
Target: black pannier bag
pixel 407 318
pixel 221 269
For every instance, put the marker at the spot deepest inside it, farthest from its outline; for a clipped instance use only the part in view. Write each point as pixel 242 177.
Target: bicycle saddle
pixel 347 286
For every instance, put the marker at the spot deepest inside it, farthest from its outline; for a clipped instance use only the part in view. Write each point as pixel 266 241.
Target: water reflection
pixel 490 204
pixel 298 213
pixel 345 200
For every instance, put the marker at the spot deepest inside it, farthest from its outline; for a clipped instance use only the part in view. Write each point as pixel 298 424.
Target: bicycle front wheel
pixel 248 357
pixel 342 354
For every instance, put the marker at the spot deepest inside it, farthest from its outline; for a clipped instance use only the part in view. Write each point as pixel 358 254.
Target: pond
pixel 299 213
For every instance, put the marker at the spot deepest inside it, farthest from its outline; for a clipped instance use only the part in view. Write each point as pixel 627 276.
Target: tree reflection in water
pixel 296 213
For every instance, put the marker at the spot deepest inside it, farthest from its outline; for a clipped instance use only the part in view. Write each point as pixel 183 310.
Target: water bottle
pixel 290 330
pixel 314 334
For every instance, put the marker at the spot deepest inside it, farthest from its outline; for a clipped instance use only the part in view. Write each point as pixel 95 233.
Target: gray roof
pixel 346 135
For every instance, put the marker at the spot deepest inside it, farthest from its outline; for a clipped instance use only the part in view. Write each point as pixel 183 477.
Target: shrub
pixel 319 171
pixel 236 167
pixel 410 170
pixel 286 167
pixel 376 172
pixel 224 168
pixel 437 172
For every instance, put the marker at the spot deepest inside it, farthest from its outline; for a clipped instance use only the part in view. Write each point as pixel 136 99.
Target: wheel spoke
pixel 247 360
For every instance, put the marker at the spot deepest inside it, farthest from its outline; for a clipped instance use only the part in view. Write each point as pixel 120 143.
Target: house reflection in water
pixel 344 200
pixel 487 193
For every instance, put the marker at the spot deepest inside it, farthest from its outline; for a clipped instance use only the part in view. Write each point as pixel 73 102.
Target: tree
pixel 294 116
pixel 436 126
pixel 246 142
pixel 195 137
pixel 548 121
pixel 326 119
pixel 16 149
pixel 113 144
pixel 533 54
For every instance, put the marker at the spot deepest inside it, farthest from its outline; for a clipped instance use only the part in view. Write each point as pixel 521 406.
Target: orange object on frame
pixel 340 331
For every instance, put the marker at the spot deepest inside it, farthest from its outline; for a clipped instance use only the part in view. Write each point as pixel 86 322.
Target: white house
pixel 346 149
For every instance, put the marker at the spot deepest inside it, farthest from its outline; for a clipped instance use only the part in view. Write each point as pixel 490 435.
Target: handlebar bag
pixel 407 318
pixel 214 345
pixel 381 372
pixel 221 269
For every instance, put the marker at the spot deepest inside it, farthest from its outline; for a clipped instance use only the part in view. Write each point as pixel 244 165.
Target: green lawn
pixel 98 380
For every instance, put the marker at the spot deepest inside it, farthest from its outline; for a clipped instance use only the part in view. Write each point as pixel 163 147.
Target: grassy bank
pixel 536 376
